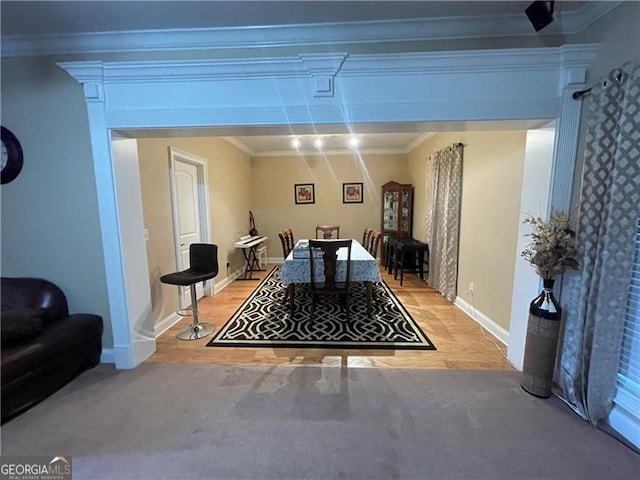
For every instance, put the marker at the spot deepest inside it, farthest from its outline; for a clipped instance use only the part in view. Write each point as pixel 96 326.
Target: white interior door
pixel 188 226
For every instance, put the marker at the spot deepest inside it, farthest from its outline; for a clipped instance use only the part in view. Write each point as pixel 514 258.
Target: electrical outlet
pixel 470 289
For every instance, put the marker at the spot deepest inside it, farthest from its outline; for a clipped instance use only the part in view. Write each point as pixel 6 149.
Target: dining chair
pixel 286 239
pixel 327 232
pixel 331 285
pixel 366 238
pixel 374 241
pixel 372 248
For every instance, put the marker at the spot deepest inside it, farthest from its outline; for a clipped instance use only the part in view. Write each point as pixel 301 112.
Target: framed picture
pixel 352 193
pixel 304 193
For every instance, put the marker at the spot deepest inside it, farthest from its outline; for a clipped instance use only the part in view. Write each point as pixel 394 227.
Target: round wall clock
pixel 11 156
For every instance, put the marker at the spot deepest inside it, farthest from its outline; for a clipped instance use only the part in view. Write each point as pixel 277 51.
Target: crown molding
pixel 586 16
pixel 419 141
pixel 236 142
pixel 329 153
pixel 410 30
pixel 236 69
pixel 469 61
pixel 240 145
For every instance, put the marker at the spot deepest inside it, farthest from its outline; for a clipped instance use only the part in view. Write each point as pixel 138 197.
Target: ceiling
pixel 382 138
pixel 72 17
pixel 23 21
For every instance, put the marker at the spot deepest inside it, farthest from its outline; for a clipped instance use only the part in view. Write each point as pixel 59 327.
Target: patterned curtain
pixel 609 210
pixel 443 192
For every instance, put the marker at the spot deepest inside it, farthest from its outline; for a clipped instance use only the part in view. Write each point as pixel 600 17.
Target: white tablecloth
pixel 364 267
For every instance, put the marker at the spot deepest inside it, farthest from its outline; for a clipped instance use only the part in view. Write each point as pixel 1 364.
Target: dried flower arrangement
pixel 552 249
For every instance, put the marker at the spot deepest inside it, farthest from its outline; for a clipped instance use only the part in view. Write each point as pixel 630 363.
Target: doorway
pixel 190 212
pixel 421 88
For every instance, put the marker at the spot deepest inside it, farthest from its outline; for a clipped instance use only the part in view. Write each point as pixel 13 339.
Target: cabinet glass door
pixel 405 211
pixel 391 210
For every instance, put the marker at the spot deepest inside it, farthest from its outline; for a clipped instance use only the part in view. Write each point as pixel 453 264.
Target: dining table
pixel 296 269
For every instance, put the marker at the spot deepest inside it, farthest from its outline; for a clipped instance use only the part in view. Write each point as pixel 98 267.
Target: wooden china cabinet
pixel 397 209
pixel 397 213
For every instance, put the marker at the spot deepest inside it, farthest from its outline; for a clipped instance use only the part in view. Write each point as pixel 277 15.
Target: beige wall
pixel 264 185
pixel 492 178
pixel 229 179
pixel 491 187
pixel 272 193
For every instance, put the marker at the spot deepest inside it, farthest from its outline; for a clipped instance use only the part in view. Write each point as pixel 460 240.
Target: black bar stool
pixel 412 255
pixel 203 265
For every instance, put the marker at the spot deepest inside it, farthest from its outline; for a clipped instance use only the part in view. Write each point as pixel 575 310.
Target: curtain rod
pixel 581 93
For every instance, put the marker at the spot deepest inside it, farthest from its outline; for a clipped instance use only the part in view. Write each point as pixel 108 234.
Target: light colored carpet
pixel 231 422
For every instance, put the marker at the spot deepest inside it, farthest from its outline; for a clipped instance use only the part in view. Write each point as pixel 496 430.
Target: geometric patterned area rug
pixel 265 320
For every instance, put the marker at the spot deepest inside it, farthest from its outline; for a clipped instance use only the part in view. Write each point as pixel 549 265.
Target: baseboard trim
pixel 166 323
pixel 218 287
pixel 107 356
pixel 624 417
pixel 492 327
pixel 133 354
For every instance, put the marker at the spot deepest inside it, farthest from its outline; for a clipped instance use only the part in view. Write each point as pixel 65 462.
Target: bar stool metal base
pixel 195 332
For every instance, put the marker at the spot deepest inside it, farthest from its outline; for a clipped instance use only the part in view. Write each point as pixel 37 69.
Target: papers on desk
pixel 302 250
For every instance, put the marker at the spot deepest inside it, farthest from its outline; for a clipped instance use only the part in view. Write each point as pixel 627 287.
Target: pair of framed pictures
pixel 305 193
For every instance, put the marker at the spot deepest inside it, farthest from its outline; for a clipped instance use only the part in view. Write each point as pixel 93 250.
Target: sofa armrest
pixel 25 293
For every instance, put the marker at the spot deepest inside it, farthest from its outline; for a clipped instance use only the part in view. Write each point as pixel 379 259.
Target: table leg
pixel 369 295
pixel 255 261
pixel 251 259
pixel 291 292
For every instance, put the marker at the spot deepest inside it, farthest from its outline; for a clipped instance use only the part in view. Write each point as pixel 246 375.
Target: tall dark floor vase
pixel 542 342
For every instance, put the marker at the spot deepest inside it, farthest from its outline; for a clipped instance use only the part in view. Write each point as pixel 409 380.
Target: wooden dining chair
pixel 286 239
pixel 289 236
pixel 287 242
pixel 374 241
pixel 327 232
pixel 372 248
pixel 331 285
pixel 366 238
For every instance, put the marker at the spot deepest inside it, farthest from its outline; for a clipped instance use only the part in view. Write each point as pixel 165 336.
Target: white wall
pixel 534 201
pixel 139 311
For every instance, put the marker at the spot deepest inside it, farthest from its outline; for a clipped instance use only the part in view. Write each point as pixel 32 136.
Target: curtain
pixel 443 193
pixel 608 213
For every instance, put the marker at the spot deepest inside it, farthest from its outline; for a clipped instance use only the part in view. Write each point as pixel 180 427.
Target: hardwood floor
pixel 460 342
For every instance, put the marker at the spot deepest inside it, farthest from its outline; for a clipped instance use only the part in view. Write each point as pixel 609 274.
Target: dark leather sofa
pixel 43 346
